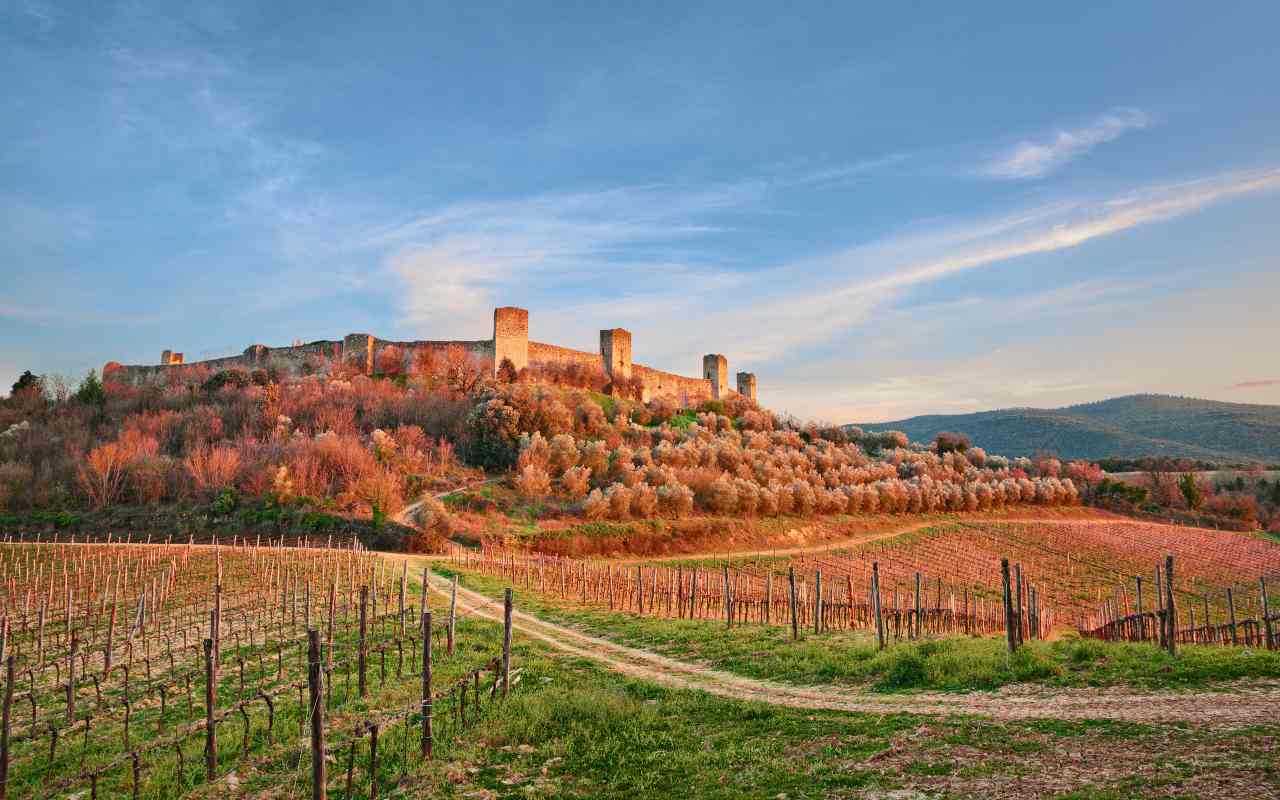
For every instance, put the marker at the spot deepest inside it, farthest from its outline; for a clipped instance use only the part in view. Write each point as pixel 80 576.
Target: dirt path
pixel 872 536
pixel 1244 705
pixel 854 541
pixel 405 517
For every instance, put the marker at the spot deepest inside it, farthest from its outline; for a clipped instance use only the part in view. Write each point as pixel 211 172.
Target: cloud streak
pixel 1037 158
pixel 560 254
pixel 1256 384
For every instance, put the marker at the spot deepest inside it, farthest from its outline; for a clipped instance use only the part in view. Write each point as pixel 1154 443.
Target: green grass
pixel 949 664
pixel 576 730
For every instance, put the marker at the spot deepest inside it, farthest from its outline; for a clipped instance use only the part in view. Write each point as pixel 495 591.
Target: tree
pixel 948 442
pixel 91 391
pixel 28 383
pixel 1191 490
pixel 1160 471
pixel 506 371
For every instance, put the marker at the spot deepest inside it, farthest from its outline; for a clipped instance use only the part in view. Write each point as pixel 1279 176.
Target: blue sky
pixel 881 212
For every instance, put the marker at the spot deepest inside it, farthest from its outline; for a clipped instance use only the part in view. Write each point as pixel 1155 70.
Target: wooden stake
pixel 315 683
pixel 1010 633
pixel 362 655
pixel 210 701
pixel 507 603
pixel 795 621
pixel 875 603
pixel 1266 614
pixel 427 733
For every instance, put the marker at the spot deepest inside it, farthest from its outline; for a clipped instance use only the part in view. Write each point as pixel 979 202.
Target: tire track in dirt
pixel 405 517
pixel 1239 706
pixel 843 544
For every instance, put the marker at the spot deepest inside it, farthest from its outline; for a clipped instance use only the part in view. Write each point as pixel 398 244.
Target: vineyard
pixel 831 593
pixel 1102 578
pixel 1079 565
pixel 136 670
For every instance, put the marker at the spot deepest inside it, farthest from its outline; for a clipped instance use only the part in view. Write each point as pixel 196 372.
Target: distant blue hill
pixel 1135 426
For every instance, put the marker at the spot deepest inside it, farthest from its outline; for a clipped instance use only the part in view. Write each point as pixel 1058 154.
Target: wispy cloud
pixel 845 172
pixel 1037 158
pixel 807 302
pixel 1256 384
pixel 562 255
pixel 455 263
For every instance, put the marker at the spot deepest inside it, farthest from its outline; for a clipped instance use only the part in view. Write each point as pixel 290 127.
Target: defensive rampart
pixel 510 342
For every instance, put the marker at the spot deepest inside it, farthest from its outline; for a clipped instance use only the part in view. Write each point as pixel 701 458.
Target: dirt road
pixel 867 538
pixel 1243 705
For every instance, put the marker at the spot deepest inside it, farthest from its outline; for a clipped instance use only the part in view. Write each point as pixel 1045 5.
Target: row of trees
pixel 720 470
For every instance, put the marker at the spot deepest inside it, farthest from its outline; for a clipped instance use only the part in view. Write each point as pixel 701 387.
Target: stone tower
pixel 357 350
pixel 256 353
pixel 510 337
pixel 715 368
pixel 615 352
pixel 170 358
pixel 747 385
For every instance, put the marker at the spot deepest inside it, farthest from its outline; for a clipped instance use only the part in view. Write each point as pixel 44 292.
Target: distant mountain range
pixel 1135 426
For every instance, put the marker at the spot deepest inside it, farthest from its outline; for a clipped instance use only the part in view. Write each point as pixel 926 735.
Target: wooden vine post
pixel 1231 616
pixel 426 578
pixel 768 598
pixel 728 601
pixel 915 622
pixel 362 654
pixel 4 727
pixel 817 601
pixel 210 702
pixel 453 614
pixel 875 603
pixel 1142 628
pixel 1010 633
pixel 795 620
pixel 315 684
pixel 1160 616
pixel 427 733
pixel 404 586
pixel 507 602
pixel 1170 611
pixel 1266 614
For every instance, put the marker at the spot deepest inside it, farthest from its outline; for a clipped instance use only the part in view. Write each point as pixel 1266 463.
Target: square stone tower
pixel 510 337
pixel 747 385
pixel 256 353
pixel 715 368
pixel 615 352
pixel 170 358
pixel 357 350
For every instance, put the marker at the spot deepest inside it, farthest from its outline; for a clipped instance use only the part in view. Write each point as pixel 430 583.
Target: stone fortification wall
pixel 546 355
pixel 684 390
pixel 510 341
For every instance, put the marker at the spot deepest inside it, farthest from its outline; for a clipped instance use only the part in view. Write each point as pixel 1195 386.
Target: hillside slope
pixel 1127 427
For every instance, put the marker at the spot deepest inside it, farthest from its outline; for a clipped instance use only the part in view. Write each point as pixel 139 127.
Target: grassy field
pixel 576 730
pixel 950 664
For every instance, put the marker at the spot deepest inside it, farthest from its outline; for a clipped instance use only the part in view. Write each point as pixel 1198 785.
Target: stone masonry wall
pixel 511 340
pixel 542 354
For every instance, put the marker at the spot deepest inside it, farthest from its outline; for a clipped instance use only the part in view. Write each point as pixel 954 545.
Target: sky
pixel 881 210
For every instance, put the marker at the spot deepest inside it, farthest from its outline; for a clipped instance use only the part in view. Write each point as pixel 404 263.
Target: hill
pixel 1126 427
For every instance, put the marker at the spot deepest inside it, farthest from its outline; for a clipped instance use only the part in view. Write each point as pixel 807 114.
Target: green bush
pixel 227 377
pixel 907 670
pixel 91 391
pixel 225 503
pixel 712 407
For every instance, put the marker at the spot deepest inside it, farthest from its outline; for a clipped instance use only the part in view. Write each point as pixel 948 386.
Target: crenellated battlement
pixel 510 342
